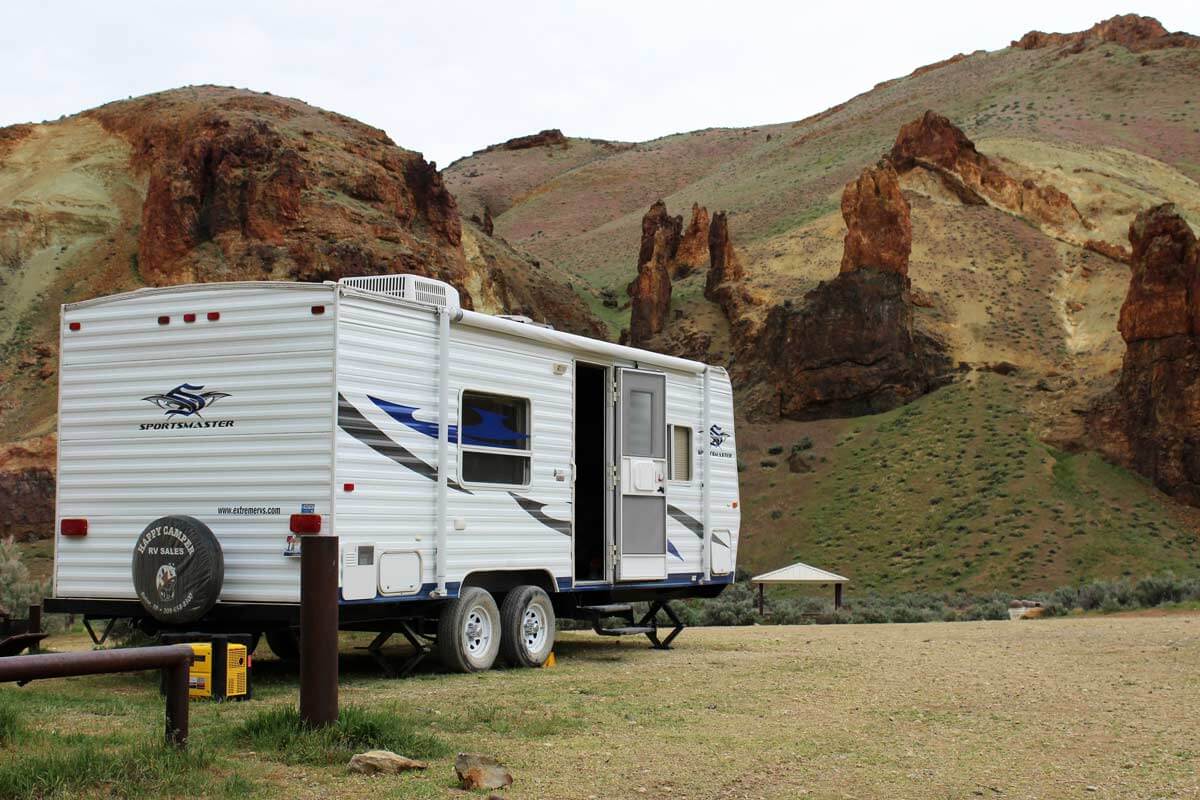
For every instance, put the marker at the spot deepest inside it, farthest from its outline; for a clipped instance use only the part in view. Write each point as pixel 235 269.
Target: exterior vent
pixel 414 288
pixel 524 320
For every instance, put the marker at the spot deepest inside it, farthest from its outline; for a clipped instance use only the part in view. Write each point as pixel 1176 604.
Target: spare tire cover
pixel 178 569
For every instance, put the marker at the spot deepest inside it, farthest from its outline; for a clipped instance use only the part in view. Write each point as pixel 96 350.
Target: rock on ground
pixel 383 762
pixel 481 772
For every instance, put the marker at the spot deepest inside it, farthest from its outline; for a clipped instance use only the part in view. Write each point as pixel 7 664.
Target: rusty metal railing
pixel 173 660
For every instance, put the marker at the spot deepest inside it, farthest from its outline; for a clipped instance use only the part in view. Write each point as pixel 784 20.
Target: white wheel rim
pixel 533 628
pixel 477 631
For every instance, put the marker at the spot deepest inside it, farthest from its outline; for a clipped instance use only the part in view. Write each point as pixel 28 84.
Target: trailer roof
pixel 477 319
pixel 799 573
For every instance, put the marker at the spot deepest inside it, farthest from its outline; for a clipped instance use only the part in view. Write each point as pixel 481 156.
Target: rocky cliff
pixel 650 291
pixel 1151 421
pixel 1132 31
pixel 934 143
pixel 849 347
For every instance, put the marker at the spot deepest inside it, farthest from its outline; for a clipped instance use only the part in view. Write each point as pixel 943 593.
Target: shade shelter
pixel 800 573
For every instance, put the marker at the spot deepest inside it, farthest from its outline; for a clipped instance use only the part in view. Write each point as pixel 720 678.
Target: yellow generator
pixel 220 670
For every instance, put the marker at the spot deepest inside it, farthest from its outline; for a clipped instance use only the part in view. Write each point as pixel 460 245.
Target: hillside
pixel 1104 120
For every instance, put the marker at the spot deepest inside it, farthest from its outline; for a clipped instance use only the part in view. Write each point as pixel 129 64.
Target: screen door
pixel 642 455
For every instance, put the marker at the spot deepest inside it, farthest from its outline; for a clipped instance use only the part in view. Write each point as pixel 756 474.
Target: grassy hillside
pixel 952 491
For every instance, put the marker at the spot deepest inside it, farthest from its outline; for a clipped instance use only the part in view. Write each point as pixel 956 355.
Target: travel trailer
pixel 484 474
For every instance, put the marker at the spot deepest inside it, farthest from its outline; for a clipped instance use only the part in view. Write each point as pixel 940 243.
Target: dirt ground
pixel 1081 707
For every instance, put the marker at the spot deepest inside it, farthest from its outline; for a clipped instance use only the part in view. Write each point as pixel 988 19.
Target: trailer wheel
pixel 284 643
pixel 469 631
pixel 178 569
pixel 526 627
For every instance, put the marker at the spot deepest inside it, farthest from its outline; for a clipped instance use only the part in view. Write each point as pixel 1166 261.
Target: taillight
pixel 74 326
pixel 306 523
pixel 318 309
pixel 164 320
pixel 189 317
pixel 213 316
pixel 73 527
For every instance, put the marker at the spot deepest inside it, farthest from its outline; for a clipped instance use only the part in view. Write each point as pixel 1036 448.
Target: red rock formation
pixel 547 138
pixel 650 291
pixel 1131 31
pixel 244 186
pixel 879 230
pixel 851 347
pixel 1114 251
pixel 1164 290
pixel 27 489
pixel 1151 421
pixel 692 254
pixel 724 266
pixel 934 143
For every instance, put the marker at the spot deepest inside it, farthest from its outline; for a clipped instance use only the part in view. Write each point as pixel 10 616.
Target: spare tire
pixel 178 569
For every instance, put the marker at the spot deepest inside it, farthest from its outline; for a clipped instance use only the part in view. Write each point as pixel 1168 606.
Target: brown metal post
pixel 761 599
pixel 837 596
pixel 35 624
pixel 175 679
pixel 318 630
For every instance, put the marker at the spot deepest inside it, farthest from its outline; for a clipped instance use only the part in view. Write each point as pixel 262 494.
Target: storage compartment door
pixel 642 457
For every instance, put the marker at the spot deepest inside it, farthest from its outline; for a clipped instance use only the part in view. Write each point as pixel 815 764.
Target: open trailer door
pixel 641 448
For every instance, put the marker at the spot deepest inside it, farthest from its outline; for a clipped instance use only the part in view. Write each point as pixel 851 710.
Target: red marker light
pixel 74 326
pixel 164 320
pixel 306 523
pixel 347 487
pixel 74 527
pixel 189 317
pixel 213 316
pixel 318 309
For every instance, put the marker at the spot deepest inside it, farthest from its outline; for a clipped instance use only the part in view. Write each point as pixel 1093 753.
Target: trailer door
pixel 641 448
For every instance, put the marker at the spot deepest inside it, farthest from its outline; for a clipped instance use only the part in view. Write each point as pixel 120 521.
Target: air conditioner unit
pixel 414 288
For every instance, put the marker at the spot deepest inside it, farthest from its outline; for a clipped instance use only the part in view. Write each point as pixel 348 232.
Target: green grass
pixel 11 728
pixel 74 765
pixel 280 732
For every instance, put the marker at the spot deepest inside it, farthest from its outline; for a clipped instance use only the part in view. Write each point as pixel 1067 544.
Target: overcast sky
pixel 446 78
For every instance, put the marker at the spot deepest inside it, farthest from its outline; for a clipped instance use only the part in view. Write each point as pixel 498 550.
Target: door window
pixel 639 422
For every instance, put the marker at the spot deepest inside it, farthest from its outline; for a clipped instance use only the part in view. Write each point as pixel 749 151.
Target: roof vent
pixel 414 288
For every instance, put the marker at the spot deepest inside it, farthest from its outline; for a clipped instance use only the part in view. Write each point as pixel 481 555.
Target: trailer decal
pixel 490 431
pixel 185 400
pixel 686 520
pixel 404 415
pixel 534 509
pixel 352 421
pixel 671 549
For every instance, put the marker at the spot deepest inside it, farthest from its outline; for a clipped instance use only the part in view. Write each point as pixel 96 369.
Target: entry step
pixel 629 630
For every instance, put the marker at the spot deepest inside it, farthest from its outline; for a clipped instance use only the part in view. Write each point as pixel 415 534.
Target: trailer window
pixel 494 439
pixel 681 453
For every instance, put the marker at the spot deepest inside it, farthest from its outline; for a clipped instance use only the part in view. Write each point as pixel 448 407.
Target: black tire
pixel 526 627
pixel 469 631
pixel 284 643
pixel 178 569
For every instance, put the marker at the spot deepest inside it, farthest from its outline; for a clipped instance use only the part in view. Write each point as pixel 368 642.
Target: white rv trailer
pixel 461 458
